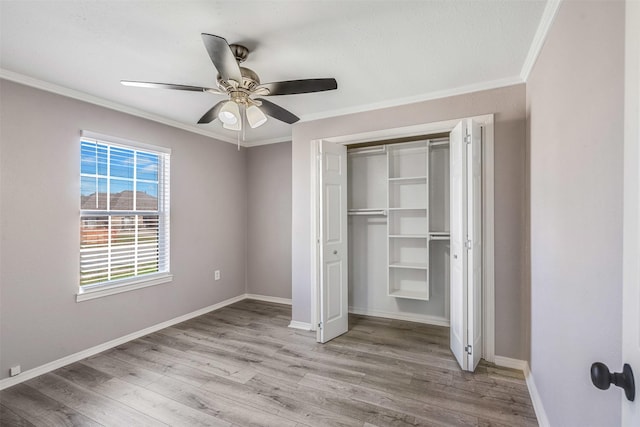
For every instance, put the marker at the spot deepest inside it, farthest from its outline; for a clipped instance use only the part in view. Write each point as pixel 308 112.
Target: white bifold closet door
pixel 465 145
pixel 333 249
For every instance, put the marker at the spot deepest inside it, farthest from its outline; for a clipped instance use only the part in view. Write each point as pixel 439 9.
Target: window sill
pixel 88 294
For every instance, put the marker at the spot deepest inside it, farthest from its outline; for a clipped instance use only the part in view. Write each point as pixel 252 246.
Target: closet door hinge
pixel 467 138
pixel 320 325
pixel 469 349
pixel 467 244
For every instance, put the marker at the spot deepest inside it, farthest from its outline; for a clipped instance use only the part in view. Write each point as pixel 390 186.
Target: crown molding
pixel 101 102
pixel 461 90
pixel 268 141
pixel 81 96
pixel 548 16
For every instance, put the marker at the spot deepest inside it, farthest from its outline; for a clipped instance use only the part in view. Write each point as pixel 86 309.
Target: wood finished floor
pixel 242 366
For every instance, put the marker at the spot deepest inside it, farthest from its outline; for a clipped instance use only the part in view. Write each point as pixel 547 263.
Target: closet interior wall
pixel 398 201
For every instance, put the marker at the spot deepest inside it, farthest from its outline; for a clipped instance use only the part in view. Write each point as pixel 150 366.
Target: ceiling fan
pixel 243 88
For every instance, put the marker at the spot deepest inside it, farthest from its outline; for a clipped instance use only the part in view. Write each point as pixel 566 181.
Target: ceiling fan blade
pixel 222 57
pixel 170 86
pixel 292 87
pixel 277 112
pixel 212 114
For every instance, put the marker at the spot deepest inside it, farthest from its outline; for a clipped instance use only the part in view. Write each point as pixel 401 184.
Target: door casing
pixel 631 222
pixel 488 282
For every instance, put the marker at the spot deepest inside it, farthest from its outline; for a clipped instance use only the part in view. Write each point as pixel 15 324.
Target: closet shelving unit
pixel 408 222
pixel 409 190
pixel 410 226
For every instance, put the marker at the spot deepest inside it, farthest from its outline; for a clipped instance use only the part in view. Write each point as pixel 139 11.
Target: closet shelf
pixel 368 150
pixel 410 265
pixel 408 209
pixel 424 296
pixel 439 143
pixel 408 236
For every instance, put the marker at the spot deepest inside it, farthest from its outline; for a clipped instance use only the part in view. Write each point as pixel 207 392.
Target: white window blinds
pixel 124 213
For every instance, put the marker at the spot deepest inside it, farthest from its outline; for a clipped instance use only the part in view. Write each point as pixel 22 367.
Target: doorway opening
pixel 409 221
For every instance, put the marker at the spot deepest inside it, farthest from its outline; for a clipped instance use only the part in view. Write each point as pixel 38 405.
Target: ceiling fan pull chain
pixel 243 114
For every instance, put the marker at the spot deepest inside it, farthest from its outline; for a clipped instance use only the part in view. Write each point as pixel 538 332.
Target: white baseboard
pixel 419 318
pixel 507 362
pixel 266 298
pixel 543 420
pixel 523 365
pixel 48 367
pixel 300 325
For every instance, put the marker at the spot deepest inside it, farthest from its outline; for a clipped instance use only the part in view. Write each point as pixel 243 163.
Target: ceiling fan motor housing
pixel 239 97
pixel 250 80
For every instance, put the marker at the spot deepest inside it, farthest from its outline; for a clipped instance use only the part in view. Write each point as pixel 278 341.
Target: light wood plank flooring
pixel 242 366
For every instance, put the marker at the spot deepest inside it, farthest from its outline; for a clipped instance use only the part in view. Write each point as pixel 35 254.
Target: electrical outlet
pixel 217 275
pixel 15 370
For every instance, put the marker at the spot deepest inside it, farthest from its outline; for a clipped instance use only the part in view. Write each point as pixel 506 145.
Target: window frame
pixel 97 290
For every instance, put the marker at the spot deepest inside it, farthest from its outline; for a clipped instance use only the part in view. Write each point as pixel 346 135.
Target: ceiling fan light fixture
pixel 229 114
pixel 235 126
pixel 255 117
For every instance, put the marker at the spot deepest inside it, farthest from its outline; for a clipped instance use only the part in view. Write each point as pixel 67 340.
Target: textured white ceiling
pixel 381 52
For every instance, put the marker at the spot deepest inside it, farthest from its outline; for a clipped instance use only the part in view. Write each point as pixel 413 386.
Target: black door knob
pixel 602 378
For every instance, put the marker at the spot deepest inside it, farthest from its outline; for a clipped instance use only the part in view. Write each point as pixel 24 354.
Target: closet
pixel 398 222
pixel 403 228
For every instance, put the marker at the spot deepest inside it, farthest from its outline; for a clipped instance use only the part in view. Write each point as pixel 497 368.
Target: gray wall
pixel 269 220
pixel 508 105
pixel 575 108
pixel 39 201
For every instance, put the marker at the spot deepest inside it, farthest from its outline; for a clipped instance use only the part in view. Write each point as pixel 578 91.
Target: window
pixel 124 215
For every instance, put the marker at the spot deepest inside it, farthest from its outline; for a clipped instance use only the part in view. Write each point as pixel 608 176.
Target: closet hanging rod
pixel 380 149
pixel 367 212
pixel 439 237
